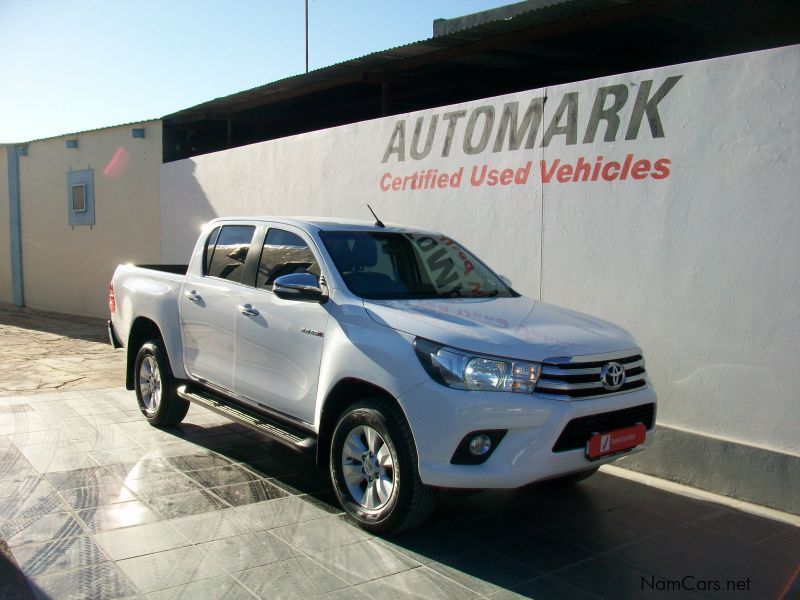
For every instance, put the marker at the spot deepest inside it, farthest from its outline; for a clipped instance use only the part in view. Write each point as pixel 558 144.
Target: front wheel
pixel 373 466
pixel 156 387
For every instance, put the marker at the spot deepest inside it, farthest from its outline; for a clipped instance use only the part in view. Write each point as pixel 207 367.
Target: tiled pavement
pixel 95 503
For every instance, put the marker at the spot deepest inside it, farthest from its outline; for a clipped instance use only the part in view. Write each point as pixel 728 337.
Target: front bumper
pixel 440 417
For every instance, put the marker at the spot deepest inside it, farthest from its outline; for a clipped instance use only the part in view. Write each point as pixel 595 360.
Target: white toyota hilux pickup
pixel 393 354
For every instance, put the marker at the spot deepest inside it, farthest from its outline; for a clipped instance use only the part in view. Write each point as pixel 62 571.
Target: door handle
pixel 248 310
pixel 193 296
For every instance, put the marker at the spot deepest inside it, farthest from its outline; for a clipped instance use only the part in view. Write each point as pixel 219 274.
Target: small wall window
pixel 80 197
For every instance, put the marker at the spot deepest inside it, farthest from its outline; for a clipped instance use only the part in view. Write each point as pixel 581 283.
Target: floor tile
pixel 679 551
pixel 91 476
pixel 244 551
pixel 320 534
pixel 787 541
pixel 363 561
pixel 543 588
pixel 58 555
pixel 224 587
pixel 219 476
pixel 12 486
pixel 615 528
pixel 195 462
pixel 87 497
pixel 607 578
pixel 14 466
pixel 290 579
pixel 215 525
pixel 95 581
pixel 484 571
pixel 742 525
pixel 149 468
pixel 187 503
pixel 105 441
pixel 158 486
pixel 543 552
pixel 416 583
pixel 168 569
pixel 249 492
pixel 763 573
pixel 431 542
pixel 40 528
pixel 115 516
pixel 35 497
pixel 111 456
pixel 282 511
pixel 140 540
pixel 683 507
pixel 310 482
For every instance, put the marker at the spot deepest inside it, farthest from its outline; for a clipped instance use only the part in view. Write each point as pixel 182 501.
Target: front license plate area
pixel 611 442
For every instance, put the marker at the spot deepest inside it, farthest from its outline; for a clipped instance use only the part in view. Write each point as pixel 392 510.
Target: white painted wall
pixel 67 269
pixel 701 265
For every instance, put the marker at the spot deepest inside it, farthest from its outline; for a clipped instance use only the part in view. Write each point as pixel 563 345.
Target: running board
pixel 279 432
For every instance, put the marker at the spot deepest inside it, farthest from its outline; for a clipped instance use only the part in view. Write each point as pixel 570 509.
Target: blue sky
pixel 68 66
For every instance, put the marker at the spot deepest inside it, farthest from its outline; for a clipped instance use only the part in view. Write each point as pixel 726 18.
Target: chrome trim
pixel 545 396
pixel 550 384
pixel 548 370
pixel 567 360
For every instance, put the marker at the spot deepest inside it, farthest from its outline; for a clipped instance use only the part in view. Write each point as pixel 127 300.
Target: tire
pixel 156 387
pixel 381 489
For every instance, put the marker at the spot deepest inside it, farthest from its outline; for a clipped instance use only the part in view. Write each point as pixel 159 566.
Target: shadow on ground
pixel 89 329
pixel 606 537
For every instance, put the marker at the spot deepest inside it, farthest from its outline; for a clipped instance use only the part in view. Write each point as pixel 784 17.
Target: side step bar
pixel 277 431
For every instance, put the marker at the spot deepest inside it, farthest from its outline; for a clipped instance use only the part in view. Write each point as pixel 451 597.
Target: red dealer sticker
pixel 601 444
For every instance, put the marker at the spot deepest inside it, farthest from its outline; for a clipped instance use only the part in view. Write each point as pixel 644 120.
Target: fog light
pixel 480 444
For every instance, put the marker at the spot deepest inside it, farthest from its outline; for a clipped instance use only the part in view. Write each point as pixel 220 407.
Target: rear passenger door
pixel 278 341
pixel 208 305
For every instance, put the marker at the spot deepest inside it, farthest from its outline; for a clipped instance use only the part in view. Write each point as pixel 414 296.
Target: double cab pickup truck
pixel 394 355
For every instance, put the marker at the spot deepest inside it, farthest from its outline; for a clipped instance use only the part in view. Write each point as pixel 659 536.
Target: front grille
pixel 579 430
pixel 579 377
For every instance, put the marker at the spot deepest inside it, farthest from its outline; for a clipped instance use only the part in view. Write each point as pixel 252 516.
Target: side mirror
pixel 506 280
pixel 298 286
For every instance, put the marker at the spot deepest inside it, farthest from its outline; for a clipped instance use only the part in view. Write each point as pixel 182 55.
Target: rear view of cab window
pixel 227 258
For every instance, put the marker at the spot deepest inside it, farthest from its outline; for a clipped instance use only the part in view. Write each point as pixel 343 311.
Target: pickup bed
pixel 394 355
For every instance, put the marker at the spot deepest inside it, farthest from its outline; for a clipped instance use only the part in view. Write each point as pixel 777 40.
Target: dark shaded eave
pixel 557 43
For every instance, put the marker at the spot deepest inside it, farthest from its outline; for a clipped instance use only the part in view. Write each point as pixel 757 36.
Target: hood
pixel 512 327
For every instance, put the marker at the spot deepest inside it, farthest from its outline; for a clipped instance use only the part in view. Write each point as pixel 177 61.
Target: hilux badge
pixel 612 376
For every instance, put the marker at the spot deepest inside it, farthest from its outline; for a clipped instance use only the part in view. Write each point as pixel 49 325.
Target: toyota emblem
pixel 613 376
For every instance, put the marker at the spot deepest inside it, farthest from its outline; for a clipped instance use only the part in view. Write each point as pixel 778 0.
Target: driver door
pixel 279 341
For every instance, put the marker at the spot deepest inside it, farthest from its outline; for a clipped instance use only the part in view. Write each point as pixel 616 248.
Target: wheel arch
pixel 142 329
pixel 346 391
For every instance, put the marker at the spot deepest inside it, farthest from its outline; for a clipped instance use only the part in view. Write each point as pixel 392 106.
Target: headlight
pixel 466 371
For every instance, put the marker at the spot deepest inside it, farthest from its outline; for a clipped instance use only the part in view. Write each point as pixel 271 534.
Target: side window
pixel 209 251
pixel 230 251
pixel 283 253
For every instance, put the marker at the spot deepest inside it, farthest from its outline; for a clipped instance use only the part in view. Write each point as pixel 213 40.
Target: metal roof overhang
pixel 566 41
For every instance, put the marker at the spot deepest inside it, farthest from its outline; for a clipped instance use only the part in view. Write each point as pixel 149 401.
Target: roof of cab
pixel 330 224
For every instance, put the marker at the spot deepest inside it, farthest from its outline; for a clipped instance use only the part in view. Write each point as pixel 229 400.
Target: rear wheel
pixel 373 466
pixel 156 387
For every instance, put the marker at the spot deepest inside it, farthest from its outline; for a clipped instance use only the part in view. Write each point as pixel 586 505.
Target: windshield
pixel 385 265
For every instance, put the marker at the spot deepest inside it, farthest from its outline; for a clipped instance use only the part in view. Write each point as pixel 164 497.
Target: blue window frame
pixel 80 197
